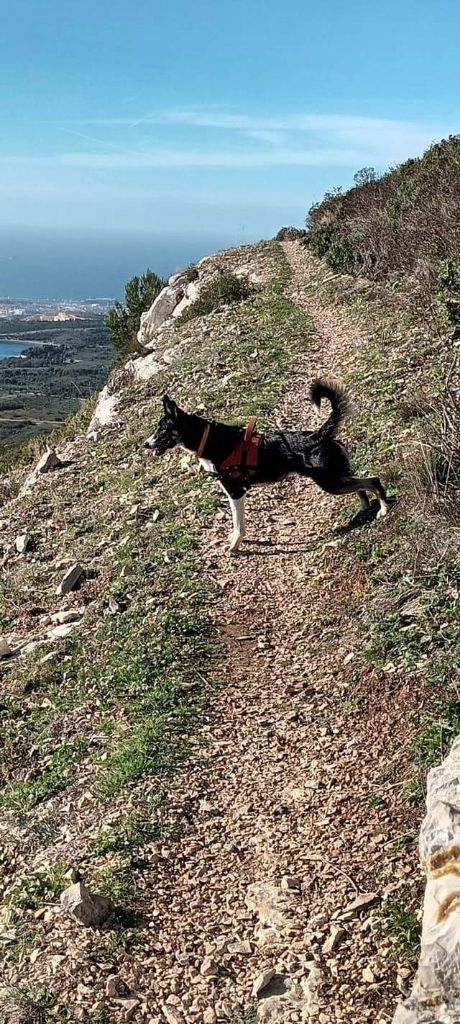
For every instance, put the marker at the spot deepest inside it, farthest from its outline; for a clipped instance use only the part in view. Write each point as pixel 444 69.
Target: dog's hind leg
pixel 362 484
pixel 364 499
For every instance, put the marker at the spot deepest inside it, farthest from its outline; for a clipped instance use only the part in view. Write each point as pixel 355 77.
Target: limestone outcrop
pixel 435 997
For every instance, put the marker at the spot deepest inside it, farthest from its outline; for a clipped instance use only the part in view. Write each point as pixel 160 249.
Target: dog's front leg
pixel 238 521
pixel 238 517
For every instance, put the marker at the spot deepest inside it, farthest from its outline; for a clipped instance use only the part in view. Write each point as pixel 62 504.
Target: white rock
pixel 333 939
pixel 57 632
pixel 171 1015
pixel 145 367
pixel 362 902
pixel 171 354
pixel 46 464
pixel 5 650
pixel 87 908
pixel 271 905
pixel 190 296
pixel 48 461
pixel 263 980
pixel 436 992
pixel 208 968
pixel 22 542
pixel 128 1007
pixel 67 615
pixel 70 579
pixel 106 413
pixel 159 311
pixel 178 279
pixel 311 986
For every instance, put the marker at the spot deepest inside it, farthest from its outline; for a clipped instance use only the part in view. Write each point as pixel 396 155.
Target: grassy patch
pixel 31 1006
pixel 135 828
pixel 22 796
pixel 401 924
pixel 117 882
pixel 248 1016
pixel 38 889
pixel 221 291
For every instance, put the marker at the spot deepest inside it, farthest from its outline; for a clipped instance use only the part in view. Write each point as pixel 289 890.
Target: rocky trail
pixel 290 810
pixel 285 837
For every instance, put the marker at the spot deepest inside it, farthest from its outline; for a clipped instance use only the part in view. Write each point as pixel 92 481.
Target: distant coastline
pixel 47 369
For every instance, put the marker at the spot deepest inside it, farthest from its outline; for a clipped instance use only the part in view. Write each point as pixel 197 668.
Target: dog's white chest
pixel 208 466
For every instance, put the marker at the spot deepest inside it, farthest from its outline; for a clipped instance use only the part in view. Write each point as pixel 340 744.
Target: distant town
pixel 53 310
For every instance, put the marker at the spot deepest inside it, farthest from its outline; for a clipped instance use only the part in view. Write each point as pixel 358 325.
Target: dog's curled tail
pixel 341 405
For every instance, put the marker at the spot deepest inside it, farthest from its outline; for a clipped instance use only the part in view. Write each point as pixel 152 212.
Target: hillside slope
pixel 229 751
pixel 401 227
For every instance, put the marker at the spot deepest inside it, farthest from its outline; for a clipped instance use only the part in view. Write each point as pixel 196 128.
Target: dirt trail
pixel 290 780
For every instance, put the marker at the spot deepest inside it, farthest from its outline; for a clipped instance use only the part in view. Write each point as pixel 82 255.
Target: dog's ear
pixel 170 407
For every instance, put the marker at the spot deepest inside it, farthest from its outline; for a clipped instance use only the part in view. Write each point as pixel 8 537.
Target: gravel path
pixel 286 809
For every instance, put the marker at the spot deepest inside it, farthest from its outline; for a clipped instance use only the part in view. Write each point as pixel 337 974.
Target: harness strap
pixel 251 426
pixel 243 457
pixel 204 439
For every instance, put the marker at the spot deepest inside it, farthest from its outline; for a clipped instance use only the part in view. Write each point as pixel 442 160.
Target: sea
pixel 65 265
pixel 11 348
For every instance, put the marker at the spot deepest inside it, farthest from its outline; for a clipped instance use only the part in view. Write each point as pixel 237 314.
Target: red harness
pixel 244 457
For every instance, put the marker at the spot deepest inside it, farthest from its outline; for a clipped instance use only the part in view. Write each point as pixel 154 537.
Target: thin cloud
pixel 139 160
pixel 307 139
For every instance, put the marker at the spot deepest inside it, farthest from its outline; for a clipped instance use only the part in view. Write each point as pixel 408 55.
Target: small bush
pixel 290 234
pixel 437 472
pixel 449 292
pixel 221 291
pixel 339 257
pixel 191 274
pixel 124 321
pixel 20 1005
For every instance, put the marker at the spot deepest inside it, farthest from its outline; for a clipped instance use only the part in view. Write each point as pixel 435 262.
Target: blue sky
pixel 208 117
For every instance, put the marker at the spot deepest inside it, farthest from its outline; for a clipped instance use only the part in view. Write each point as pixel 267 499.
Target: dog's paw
pixel 382 512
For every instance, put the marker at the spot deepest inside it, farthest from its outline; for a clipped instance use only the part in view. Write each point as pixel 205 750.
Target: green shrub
pixel 38 889
pixel 320 240
pixel 124 321
pixel 221 291
pixel 191 273
pixel 289 234
pixel 339 256
pixel 449 291
pixel 403 224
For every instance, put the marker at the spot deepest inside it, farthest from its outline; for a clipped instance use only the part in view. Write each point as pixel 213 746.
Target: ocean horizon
pixel 59 266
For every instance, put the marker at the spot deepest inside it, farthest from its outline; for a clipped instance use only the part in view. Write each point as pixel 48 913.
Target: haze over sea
pixel 38 263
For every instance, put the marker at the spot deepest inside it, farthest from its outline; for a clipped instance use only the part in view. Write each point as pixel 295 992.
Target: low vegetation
pixel 123 320
pixel 405 379
pixel 402 226
pixel 223 290
pixel 290 234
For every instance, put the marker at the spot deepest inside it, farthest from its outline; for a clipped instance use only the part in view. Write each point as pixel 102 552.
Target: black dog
pixel 312 453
